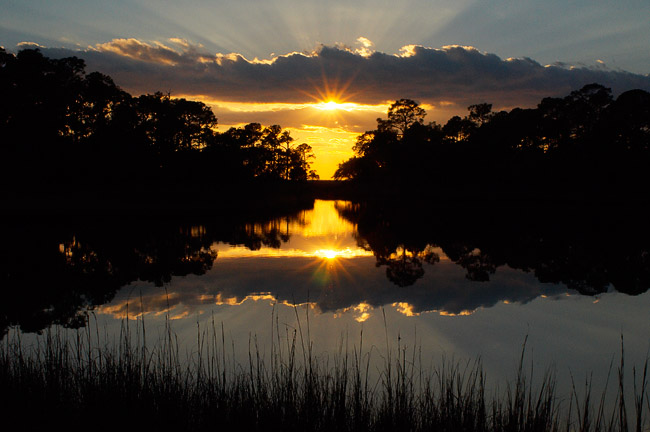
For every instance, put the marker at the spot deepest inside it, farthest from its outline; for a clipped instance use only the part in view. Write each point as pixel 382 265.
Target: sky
pixel 282 61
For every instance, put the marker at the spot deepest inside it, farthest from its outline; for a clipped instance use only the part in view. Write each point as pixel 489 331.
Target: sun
pixel 334 105
pixel 329 105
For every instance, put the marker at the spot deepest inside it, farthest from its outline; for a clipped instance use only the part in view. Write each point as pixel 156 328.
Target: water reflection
pixel 336 256
pixel 319 232
pixel 341 257
pixel 56 270
pixel 588 249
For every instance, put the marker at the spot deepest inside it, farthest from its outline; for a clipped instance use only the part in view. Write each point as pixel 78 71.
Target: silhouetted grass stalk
pixel 92 378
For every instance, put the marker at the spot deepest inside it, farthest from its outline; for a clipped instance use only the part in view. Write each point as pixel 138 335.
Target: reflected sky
pixel 322 261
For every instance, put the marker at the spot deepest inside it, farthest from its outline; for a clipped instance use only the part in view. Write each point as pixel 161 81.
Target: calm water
pixel 458 284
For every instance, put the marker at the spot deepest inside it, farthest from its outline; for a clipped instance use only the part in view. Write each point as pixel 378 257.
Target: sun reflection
pixel 327 253
pixel 334 253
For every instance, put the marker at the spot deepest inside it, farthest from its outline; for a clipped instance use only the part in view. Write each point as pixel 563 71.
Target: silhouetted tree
pixel 402 114
pixel 399 141
pixel 458 129
pixel 266 152
pixel 93 134
pixel 576 146
pixel 480 114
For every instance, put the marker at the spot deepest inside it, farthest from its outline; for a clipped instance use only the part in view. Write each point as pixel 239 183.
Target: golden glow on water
pixel 317 233
pixel 268 252
pixel 324 221
pixel 317 247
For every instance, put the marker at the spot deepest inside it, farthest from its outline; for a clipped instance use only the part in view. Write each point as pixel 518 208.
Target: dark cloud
pixel 457 74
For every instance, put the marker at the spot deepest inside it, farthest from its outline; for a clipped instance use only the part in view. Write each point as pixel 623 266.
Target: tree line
pixel 584 143
pixel 62 124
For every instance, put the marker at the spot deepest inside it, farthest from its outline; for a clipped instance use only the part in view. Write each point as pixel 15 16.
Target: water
pixel 462 283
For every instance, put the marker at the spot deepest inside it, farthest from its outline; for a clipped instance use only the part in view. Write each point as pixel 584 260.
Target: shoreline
pixel 180 200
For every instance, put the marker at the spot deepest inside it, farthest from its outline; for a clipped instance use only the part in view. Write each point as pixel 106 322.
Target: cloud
pixel 452 74
pixel 29 45
pixel 367 46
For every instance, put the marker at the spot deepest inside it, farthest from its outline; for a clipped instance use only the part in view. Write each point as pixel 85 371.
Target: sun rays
pixel 332 105
pixel 334 94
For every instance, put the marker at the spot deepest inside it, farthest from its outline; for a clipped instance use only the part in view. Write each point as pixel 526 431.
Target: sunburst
pixel 333 105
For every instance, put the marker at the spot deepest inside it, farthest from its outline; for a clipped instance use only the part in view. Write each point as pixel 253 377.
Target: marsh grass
pixel 86 379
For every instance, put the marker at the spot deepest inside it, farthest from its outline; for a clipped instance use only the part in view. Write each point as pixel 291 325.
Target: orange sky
pixel 326 128
pixel 330 124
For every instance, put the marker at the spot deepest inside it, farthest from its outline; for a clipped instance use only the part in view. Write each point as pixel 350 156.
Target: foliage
pixel 587 143
pixel 60 124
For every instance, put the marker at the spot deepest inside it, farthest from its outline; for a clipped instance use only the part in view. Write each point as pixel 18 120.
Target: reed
pixel 85 379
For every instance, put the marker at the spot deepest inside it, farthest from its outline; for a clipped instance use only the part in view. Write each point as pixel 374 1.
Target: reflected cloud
pixel 335 286
pixel 405 309
pixel 360 262
pixel 337 257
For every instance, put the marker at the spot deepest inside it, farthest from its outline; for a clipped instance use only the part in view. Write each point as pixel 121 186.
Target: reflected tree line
pixel 589 250
pixel 55 272
pixel 585 144
pixel 60 124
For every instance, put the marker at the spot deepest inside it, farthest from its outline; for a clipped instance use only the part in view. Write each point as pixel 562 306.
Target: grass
pixel 93 381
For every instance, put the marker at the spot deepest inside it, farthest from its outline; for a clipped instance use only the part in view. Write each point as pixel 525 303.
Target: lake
pixel 460 282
